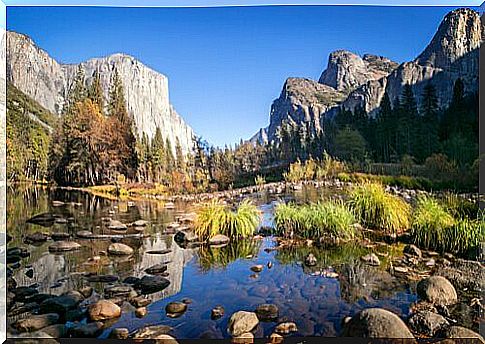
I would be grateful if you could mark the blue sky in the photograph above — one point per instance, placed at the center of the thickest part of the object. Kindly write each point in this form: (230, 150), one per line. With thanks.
(226, 65)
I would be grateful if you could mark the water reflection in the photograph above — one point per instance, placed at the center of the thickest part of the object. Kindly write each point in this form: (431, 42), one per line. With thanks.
(208, 276)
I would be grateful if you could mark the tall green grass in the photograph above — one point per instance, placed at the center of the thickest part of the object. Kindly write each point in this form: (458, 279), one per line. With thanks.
(215, 218)
(377, 208)
(435, 227)
(460, 207)
(315, 220)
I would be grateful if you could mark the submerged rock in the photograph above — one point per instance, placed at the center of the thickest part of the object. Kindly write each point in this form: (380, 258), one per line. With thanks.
(267, 312)
(152, 332)
(60, 304)
(102, 278)
(156, 269)
(119, 249)
(117, 225)
(45, 220)
(257, 268)
(141, 312)
(103, 310)
(64, 246)
(36, 322)
(140, 223)
(152, 284)
(119, 333)
(217, 312)
(376, 323)
(219, 239)
(242, 322)
(286, 328)
(60, 236)
(437, 290)
(175, 308)
(36, 237)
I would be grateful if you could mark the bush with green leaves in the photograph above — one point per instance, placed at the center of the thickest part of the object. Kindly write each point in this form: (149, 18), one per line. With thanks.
(315, 220)
(378, 209)
(216, 218)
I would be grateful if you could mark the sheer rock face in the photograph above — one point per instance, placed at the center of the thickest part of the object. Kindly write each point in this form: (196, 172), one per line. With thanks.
(34, 72)
(351, 80)
(452, 54)
(302, 101)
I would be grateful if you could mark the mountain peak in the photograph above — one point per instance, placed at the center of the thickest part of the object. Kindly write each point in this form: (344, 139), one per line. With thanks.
(459, 33)
(346, 70)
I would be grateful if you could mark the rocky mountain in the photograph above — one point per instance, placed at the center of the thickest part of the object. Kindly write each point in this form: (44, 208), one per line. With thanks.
(350, 80)
(42, 78)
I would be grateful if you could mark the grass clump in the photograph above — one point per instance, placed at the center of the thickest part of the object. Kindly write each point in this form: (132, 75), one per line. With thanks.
(315, 220)
(435, 227)
(460, 207)
(216, 218)
(379, 209)
(430, 223)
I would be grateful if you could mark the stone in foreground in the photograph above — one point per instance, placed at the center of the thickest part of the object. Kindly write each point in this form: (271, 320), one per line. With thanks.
(242, 322)
(437, 290)
(376, 323)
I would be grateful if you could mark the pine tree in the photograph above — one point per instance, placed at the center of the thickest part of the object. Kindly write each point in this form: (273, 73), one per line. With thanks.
(117, 109)
(408, 116)
(428, 134)
(384, 129)
(95, 91)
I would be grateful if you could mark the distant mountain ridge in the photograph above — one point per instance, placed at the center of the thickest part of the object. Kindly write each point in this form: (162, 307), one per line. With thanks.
(35, 73)
(350, 81)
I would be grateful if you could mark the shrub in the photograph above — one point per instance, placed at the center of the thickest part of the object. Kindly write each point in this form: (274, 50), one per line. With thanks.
(377, 208)
(439, 167)
(295, 173)
(315, 220)
(215, 218)
(330, 167)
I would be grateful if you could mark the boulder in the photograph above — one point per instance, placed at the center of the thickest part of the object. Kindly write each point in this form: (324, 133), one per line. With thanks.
(245, 338)
(267, 312)
(64, 246)
(242, 322)
(140, 301)
(412, 250)
(141, 312)
(276, 338)
(119, 249)
(119, 333)
(119, 290)
(89, 330)
(184, 237)
(458, 332)
(59, 304)
(102, 278)
(36, 322)
(437, 290)
(371, 259)
(84, 234)
(103, 310)
(463, 274)
(219, 239)
(376, 323)
(56, 331)
(286, 328)
(427, 323)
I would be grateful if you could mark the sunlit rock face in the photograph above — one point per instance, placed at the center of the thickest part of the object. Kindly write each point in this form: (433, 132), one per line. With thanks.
(351, 80)
(35, 73)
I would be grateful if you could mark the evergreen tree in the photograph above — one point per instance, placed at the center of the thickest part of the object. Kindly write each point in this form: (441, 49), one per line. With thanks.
(95, 91)
(428, 126)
